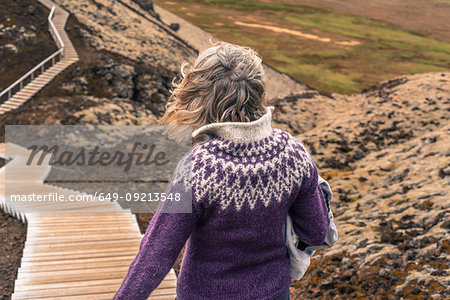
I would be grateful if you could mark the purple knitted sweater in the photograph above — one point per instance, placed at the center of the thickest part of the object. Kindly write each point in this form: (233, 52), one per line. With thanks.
(245, 179)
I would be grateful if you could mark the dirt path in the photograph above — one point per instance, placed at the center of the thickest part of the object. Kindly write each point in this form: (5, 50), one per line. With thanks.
(298, 33)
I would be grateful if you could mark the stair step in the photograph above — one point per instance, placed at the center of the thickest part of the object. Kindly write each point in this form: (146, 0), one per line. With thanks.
(27, 93)
(11, 106)
(64, 64)
(15, 101)
(53, 71)
(44, 76)
(18, 97)
(31, 89)
(37, 85)
(43, 79)
(40, 81)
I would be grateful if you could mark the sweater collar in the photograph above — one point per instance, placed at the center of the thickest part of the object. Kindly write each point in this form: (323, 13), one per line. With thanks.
(239, 131)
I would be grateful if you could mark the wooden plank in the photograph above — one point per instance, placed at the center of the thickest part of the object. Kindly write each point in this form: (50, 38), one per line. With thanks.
(107, 296)
(58, 275)
(89, 283)
(82, 225)
(2, 150)
(73, 275)
(63, 219)
(164, 291)
(100, 289)
(72, 255)
(81, 252)
(93, 294)
(75, 231)
(12, 106)
(46, 231)
(96, 245)
(19, 98)
(42, 265)
(72, 217)
(163, 297)
(68, 214)
(63, 285)
(19, 102)
(82, 220)
(62, 240)
(33, 251)
(76, 275)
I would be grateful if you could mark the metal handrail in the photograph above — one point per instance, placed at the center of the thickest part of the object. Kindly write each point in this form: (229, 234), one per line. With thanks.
(40, 65)
(53, 28)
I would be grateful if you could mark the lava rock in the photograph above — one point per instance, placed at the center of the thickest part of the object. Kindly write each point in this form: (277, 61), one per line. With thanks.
(174, 26)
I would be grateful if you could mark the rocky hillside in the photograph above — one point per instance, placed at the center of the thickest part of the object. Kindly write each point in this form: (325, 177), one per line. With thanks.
(384, 151)
(131, 29)
(386, 155)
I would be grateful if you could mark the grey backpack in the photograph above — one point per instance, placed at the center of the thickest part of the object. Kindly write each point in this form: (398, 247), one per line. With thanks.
(300, 259)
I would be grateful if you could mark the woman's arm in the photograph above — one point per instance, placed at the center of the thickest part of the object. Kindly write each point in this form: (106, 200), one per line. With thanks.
(165, 237)
(309, 211)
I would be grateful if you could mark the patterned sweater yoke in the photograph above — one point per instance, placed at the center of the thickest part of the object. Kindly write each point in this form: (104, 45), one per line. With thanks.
(244, 179)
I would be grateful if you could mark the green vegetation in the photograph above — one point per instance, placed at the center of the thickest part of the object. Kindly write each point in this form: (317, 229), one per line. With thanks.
(380, 50)
(9, 22)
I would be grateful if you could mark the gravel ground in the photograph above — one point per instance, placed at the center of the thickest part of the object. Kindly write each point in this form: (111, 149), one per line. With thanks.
(12, 240)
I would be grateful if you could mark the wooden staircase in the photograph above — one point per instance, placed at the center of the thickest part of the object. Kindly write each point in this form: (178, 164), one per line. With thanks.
(73, 250)
(68, 56)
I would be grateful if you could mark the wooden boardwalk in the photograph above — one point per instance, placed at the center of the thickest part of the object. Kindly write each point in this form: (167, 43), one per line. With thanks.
(72, 250)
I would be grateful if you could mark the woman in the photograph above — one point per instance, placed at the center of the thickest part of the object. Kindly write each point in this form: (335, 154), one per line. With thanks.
(245, 178)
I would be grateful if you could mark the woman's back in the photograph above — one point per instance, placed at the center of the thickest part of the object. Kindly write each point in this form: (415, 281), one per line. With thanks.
(245, 178)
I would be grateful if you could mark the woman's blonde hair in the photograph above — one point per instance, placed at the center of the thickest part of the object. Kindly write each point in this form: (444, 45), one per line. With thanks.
(225, 85)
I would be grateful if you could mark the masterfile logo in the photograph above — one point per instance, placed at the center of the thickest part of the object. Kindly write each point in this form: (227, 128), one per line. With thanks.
(88, 166)
(141, 154)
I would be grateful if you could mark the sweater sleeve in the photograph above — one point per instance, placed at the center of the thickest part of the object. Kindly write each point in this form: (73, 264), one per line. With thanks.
(309, 211)
(165, 237)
